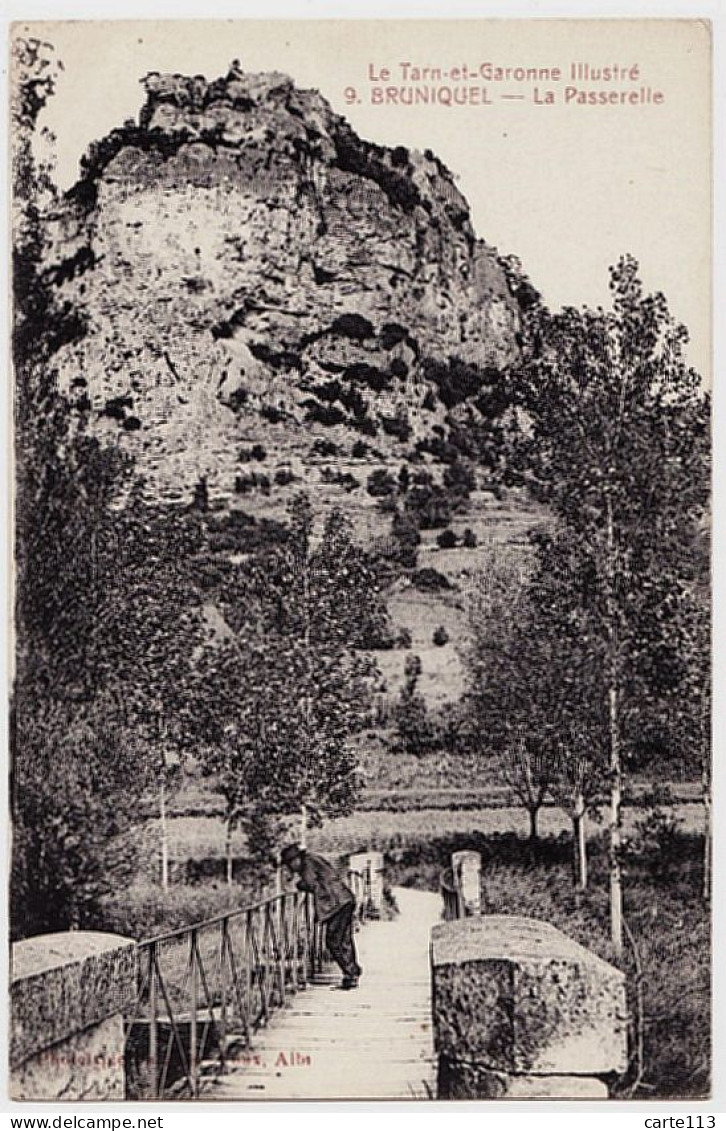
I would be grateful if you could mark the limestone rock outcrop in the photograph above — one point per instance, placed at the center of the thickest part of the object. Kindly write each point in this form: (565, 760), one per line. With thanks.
(240, 260)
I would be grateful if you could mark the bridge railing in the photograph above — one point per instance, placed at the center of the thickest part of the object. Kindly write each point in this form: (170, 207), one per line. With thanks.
(203, 990)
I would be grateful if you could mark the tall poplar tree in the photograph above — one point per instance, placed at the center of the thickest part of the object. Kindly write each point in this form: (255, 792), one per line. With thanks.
(618, 449)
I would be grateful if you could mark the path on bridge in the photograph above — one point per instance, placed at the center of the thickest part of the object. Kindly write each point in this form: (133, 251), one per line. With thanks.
(371, 1043)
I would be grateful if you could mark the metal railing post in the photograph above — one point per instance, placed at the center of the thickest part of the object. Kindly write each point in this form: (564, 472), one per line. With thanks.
(279, 944)
(223, 993)
(248, 965)
(193, 1030)
(153, 1025)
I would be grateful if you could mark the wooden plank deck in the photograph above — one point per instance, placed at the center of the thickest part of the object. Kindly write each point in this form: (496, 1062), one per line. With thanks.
(371, 1043)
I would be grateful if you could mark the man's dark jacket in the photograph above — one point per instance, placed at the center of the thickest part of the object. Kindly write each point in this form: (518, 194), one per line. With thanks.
(329, 892)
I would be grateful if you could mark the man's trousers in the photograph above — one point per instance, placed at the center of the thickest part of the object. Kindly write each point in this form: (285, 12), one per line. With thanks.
(339, 940)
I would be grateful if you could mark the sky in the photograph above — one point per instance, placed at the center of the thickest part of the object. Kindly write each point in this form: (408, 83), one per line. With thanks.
(566, 186)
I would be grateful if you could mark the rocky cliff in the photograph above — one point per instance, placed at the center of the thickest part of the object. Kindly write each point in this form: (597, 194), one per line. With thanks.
(243, 264)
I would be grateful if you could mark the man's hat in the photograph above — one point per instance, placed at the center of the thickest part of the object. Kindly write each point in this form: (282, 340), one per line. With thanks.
(290, 852)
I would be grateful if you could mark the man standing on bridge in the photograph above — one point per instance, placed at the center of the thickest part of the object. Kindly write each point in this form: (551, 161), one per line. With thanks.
(334, 906)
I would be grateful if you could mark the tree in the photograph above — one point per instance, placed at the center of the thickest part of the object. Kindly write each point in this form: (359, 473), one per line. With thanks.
(100, 628)
(618, 449)
(77, 779)
(528, 772)
(281, 699)
(533, 689)
(575, 784)
(415, 730)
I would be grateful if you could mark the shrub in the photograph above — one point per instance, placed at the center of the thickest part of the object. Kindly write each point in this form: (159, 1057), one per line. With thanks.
(329, 391)
(353, 326)
(243, 484)
(440, 636)
(354, 402)
(397, 426)
(429, 505)
(319, 413)
(459, 478)
(360, 449)
(403, 638)
(391, 334)
(284, 476)
(428, 580)
(469, 539)
(367, 426)
(369, 375)
(256, 452)
(342, 479)
(277, 361)
(144, 909)
(457, 380)
(238, 399)
(380, 483)
(325, 448)
(447, 540)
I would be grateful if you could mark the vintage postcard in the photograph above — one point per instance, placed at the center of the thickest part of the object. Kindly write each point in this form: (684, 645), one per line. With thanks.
(362, 703)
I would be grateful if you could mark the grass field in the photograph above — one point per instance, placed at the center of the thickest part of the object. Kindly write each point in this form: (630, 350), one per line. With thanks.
(200, 837)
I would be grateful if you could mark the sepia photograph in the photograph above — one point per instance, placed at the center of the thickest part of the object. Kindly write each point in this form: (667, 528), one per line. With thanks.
(360, 719)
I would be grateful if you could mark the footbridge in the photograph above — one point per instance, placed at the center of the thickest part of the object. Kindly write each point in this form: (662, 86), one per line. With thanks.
(246, 1006)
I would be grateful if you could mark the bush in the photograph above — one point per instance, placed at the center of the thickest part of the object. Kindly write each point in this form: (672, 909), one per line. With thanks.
(469, 539)
(404, 638)
(380, 483)
(397, 426)
(459, 479)
(447, 540)
(256, 452)
(457, 380)
(406, 540)
(144, 909)
(440, 636)
(318, 413)
(429, 505)
(365, 425)
(360, 449)
(368, 375)
(325, 448)
(77, 790)
(284, 476)
(345, 480)
(429, 580)
(243, 484)
(353, 326)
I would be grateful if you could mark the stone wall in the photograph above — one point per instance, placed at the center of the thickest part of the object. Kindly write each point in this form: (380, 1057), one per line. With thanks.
(521, 1010)
(68, 996)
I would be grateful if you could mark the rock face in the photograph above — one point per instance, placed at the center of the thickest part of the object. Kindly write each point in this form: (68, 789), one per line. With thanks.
(240, 255)
(522, 1010)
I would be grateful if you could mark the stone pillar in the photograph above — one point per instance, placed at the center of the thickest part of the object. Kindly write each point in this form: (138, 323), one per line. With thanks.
(369, 865)
(521, 1010)
(68, 996)
(466, 872)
